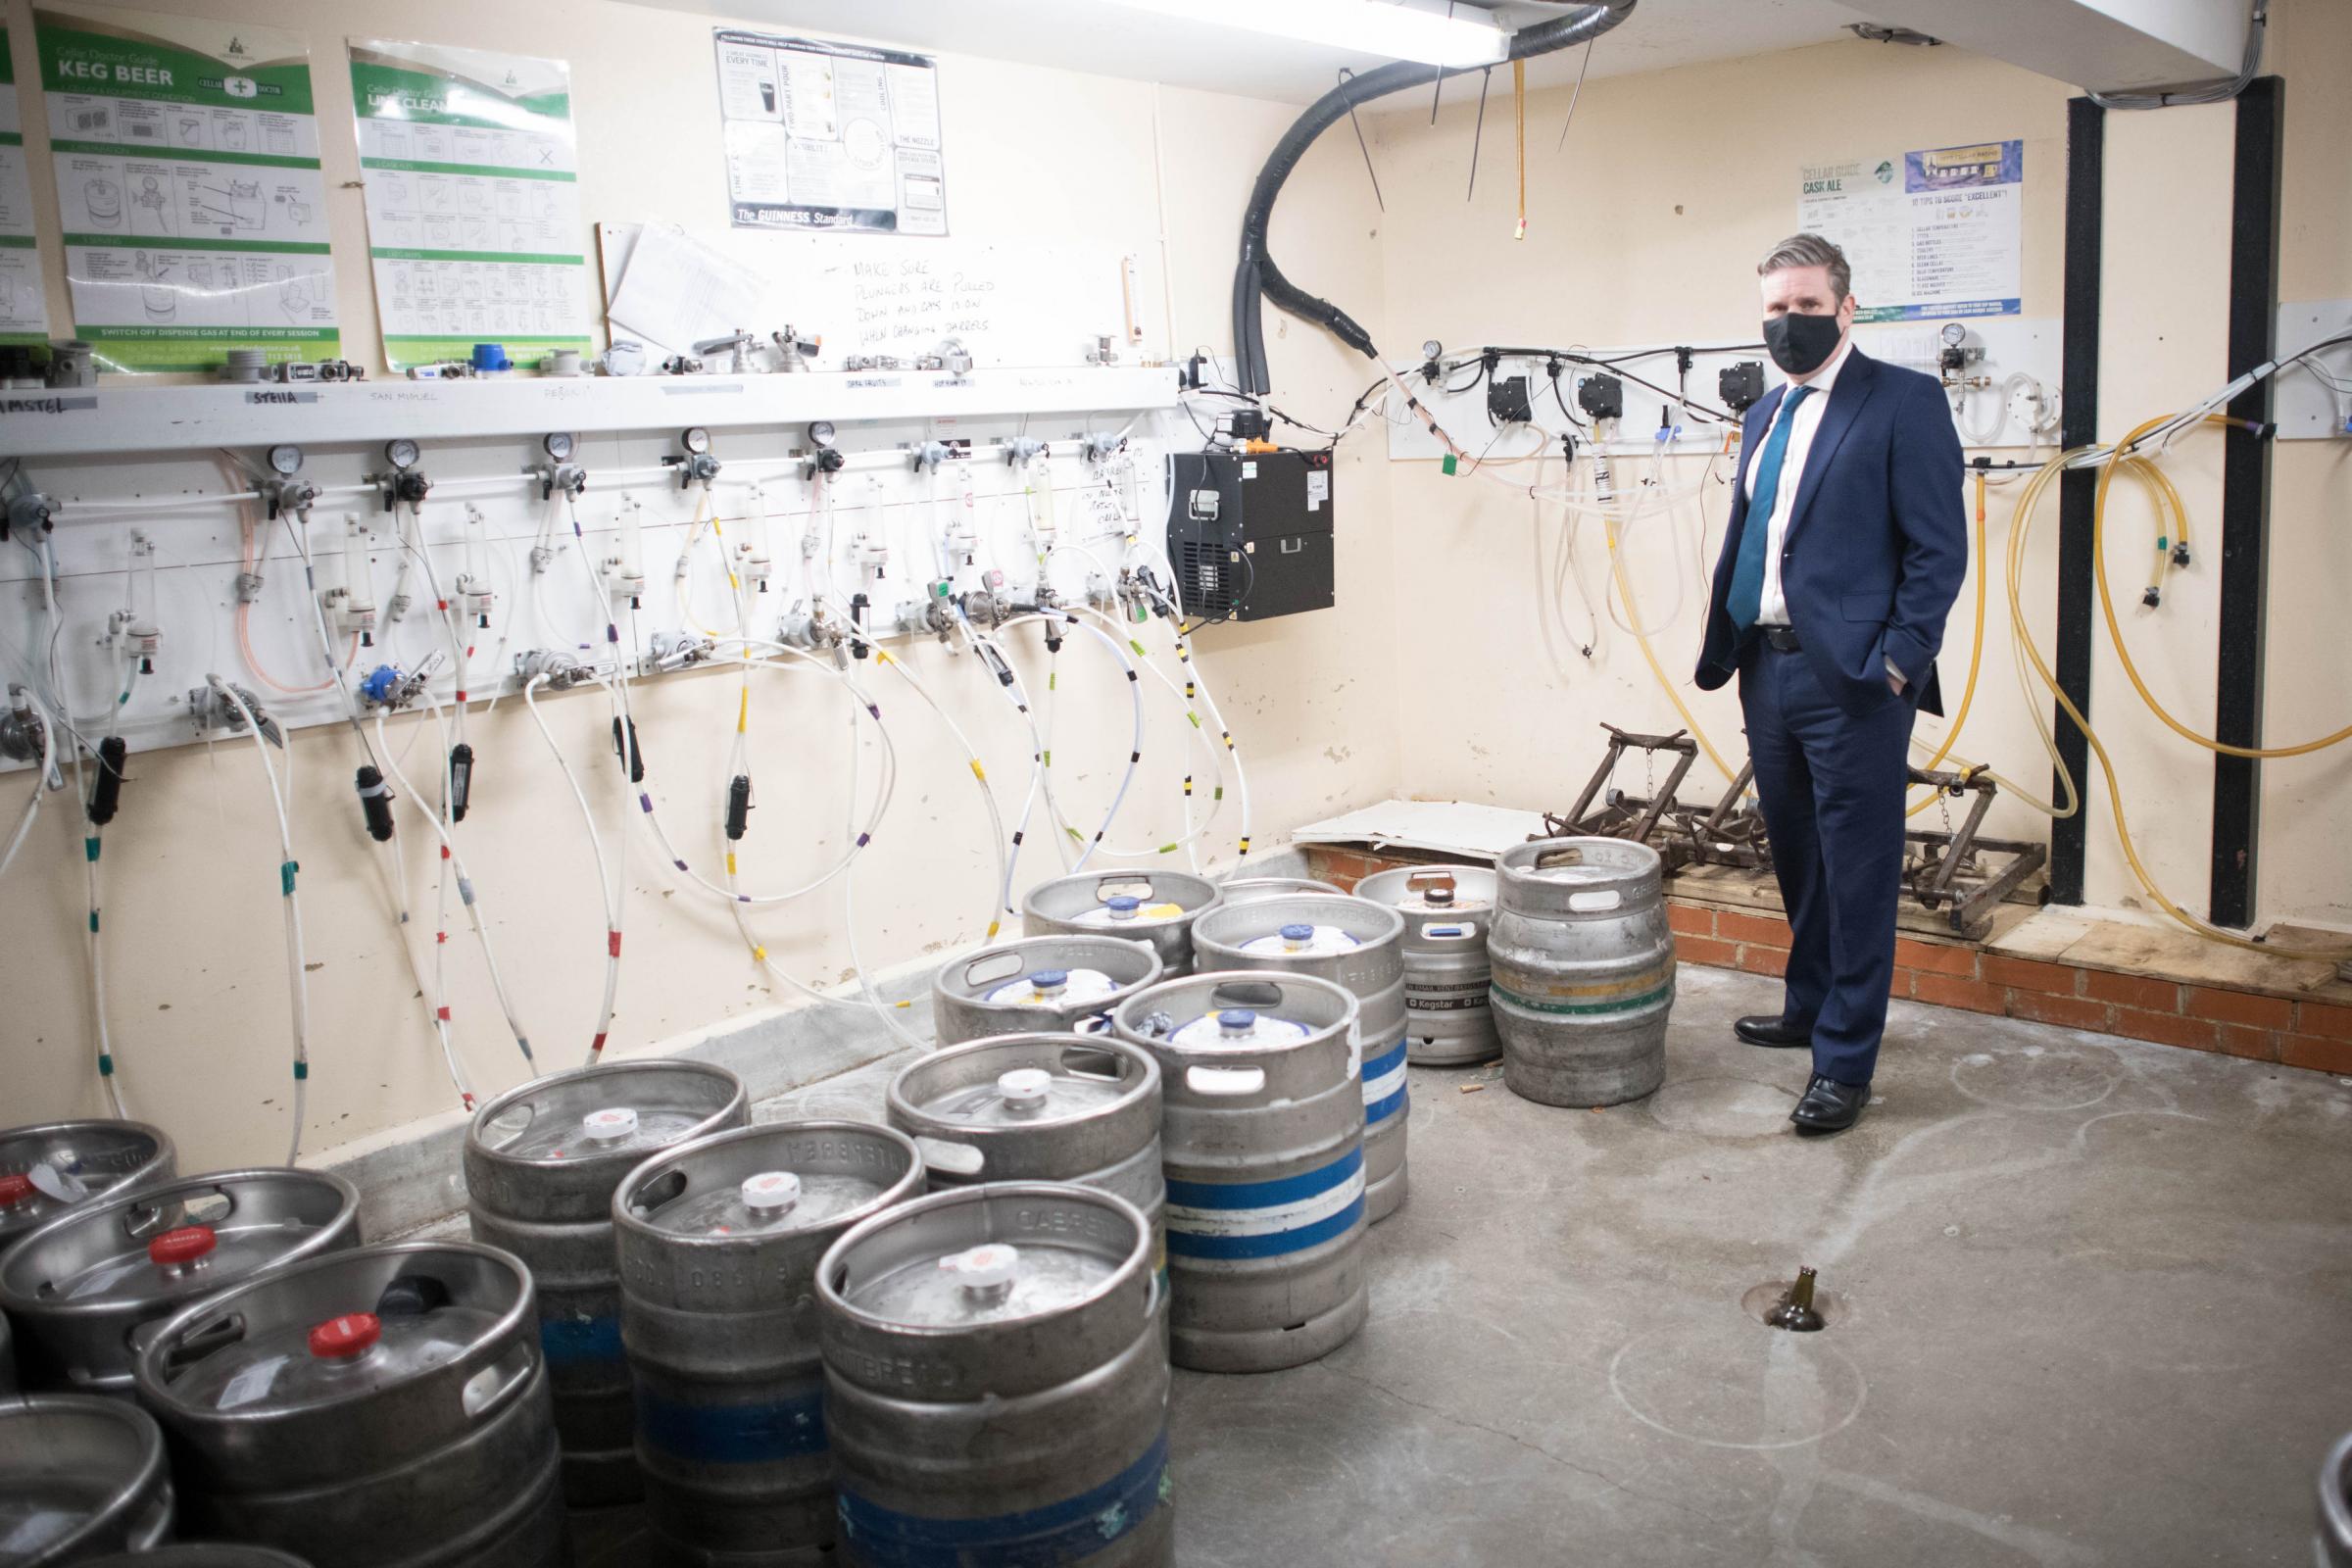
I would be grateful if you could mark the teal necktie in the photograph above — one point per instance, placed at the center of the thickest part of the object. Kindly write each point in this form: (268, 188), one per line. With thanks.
(1755, 534)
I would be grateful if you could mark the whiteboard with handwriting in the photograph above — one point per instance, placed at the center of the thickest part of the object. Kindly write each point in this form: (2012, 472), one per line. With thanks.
(1012, 305)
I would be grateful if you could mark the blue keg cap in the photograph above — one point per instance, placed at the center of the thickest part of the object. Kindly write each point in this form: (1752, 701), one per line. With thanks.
(1298, 933)
(1050, 979)
(1237, 1020)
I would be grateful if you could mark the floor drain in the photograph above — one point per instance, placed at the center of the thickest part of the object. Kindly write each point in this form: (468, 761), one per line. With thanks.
(1799, 1306)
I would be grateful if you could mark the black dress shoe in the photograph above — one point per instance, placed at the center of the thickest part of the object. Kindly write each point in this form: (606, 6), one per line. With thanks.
(1830, 1107)
(1763, 1029)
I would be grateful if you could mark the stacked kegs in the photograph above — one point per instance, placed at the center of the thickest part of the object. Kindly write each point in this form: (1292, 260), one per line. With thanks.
(1446, 911)
(385, 1407)
(541, 1165)
(2332, 1546)
(1356, 945)
(79, 1477)
(80, 1286)
(1039, 985)
(1038, 1107)
(1243, 890)
(719, 1243)
(1583, 970)
(1262, 1139)
(47, 1169)
(1155, 908)
(997, 1382)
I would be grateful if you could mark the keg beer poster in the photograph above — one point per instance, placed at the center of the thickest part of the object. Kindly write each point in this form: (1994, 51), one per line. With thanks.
(23, 315)
(188, 188)
(1929, 234)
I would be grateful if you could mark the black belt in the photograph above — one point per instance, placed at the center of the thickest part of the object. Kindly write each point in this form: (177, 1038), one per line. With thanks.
(1781, 639)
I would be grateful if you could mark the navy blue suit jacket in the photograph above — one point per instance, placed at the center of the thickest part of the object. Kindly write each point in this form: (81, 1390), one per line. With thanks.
(1877, 546)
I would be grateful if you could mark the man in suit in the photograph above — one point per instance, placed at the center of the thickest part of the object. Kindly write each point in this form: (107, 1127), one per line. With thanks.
(1845, 551)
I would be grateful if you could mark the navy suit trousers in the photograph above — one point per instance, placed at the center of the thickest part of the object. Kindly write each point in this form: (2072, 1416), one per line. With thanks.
(1832, 784)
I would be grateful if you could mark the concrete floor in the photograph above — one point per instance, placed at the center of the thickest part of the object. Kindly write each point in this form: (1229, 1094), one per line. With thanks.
(2090, 1301)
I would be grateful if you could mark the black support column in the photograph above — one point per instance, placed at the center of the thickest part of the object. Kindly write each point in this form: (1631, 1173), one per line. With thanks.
(2246, 504)
(2086, 216)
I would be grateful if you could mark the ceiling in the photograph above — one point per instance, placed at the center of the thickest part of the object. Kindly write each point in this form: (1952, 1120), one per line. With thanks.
(1103, 36)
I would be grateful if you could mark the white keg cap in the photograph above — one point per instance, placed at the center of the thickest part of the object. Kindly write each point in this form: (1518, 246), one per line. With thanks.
(772, 1191)
(610, 1125)
(1024, 1088)
(56, 1184)
(986, 1269)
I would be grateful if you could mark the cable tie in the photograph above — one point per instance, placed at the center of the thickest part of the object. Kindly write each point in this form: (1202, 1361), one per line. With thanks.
(1132, 675)
(1167, 849)
(1135, 756)
(680, 864)
(464, 890)
(863, 839)
(994, 926)
(978, 772)
(106, 1065)
(441, 1013)
(612, 943)
(93, 922)
(596, 1046)
(759, 953)
(644, 801)
(302, 1071)
(89, 847)
(285, 876)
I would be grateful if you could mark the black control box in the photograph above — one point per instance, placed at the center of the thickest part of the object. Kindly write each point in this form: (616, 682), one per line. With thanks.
(1250, 533)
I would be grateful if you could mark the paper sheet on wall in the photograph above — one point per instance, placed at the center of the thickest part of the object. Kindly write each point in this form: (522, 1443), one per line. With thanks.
(473, 204)
(188, 188)
(677, 290)
(826, 135)
(23, 313)
(1929, 234)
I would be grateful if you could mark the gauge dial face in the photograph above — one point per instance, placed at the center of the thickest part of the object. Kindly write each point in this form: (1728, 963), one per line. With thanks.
(401, 454)
(557, 444)
(821, 432)
(1432, 348)
(285, 460)
(1954, 333)
(696, 440)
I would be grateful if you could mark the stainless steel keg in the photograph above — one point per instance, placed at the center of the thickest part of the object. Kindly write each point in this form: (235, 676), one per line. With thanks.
(79, 1477)
(541, 1165)
(1583, 970)
(1262, 1142)
(1241, 890)
(719, 1242)
(80, 1288)
(1356, 944)
(52, 1167)
(1039, 1108)
(1038, 985)
(2331, 1547)
(997, 1382)
(385, 1407)
(1155, 908)
(1446, 911)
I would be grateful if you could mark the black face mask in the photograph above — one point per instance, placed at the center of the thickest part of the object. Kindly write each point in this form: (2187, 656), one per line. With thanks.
(1801, 344)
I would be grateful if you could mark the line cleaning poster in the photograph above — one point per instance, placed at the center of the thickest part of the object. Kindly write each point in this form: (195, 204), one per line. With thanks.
(188, 188)
(1929, 234)
(24, 314)
(473, 204)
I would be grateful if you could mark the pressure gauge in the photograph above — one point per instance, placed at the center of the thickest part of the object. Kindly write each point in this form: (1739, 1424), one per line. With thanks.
(695, 439)
(1955, 334)
(820, 432)
(401, 454)
(1432, 348)
(558, 445)
(285, 460)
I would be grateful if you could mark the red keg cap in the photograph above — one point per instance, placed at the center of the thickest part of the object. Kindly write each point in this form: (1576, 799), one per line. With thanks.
(16, 1188)
(346, 1336)
(182, 1246)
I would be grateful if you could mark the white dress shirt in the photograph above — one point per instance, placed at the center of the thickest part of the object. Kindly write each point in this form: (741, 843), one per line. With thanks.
(1772, 609)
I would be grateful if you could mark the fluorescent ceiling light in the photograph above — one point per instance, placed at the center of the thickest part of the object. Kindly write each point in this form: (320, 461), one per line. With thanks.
(1364, 26)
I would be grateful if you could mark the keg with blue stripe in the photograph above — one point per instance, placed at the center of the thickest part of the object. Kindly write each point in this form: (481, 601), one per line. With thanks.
(1262, 1136)
(80, 1288)
(719, 1242)
(79, 1477)
(1583, 970)
(51, 1167)
(385, 1407)
(1039, 1108)
(997, 1383)
(541, 1164)
(1155, 908)
(1038, 985)
(1356, 944)
(1447, 909)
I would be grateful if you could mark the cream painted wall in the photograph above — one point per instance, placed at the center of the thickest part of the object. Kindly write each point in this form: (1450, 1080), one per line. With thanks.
(197, 970)
(1645, 232)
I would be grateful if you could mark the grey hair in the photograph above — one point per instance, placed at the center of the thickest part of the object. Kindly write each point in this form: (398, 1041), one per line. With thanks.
(1811, 249)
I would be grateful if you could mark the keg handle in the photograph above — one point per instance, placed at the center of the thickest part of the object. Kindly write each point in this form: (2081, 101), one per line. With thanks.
(1002, 964)
(949, 1158)
(1449, 931)
(1225, 1083)
(1550, 859)
(497, 1385)
(1419, 881)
